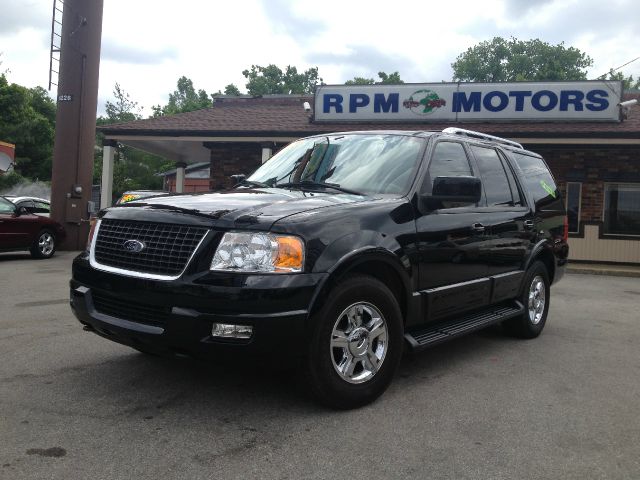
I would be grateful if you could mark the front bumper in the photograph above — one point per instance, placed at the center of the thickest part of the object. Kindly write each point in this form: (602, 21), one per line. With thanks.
(177, 316)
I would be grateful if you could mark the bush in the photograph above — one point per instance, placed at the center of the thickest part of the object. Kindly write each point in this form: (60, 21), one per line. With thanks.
(9, 180)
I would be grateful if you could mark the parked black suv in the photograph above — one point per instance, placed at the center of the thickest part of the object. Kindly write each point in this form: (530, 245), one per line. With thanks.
(340, 251)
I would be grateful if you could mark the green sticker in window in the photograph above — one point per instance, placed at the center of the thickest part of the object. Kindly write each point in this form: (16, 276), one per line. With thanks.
(547, 188)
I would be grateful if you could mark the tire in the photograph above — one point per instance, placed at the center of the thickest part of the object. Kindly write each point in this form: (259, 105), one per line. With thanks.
(44, 245)
(351, 361)
(536, 299)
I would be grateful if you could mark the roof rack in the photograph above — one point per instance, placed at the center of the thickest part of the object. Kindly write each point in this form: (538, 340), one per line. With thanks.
(481, 136)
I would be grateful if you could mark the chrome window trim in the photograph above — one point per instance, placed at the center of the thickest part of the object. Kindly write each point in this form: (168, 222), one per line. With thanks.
(132, 273)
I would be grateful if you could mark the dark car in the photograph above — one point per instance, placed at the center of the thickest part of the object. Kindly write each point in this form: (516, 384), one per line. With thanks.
(37, 205)
(336, 254)
(21, 229)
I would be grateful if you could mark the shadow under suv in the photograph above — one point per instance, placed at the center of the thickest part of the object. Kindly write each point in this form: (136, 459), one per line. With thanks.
(337, 253)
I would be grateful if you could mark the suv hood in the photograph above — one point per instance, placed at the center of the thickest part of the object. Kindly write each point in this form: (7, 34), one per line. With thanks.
(255, 208)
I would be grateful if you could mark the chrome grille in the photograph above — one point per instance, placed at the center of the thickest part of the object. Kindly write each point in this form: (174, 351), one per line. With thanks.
(167, 247)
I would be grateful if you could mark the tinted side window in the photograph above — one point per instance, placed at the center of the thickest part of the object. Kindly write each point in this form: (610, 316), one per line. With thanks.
(28, 204)
(513, 183)
(42, 207)
(538, 179)
(494, 178)
(449, 160)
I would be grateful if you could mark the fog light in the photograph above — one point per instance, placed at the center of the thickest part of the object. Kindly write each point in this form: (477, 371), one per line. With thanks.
(227, 330)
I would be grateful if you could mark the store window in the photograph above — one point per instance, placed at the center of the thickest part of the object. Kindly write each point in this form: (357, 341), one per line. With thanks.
(622, 208)
(574, 194)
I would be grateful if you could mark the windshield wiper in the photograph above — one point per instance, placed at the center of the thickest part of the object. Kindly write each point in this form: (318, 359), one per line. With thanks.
(252, 183)
(309, 184)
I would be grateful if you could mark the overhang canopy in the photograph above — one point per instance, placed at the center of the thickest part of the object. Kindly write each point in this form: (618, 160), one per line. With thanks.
(283, 118)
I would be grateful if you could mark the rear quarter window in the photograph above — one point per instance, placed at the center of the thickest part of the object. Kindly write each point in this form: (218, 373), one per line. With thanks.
(538, 181)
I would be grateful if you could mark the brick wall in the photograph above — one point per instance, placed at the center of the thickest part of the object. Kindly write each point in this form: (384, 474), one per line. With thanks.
(593, 167)
(232, 158)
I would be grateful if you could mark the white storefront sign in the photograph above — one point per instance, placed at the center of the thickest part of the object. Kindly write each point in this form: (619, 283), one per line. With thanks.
(429, 102)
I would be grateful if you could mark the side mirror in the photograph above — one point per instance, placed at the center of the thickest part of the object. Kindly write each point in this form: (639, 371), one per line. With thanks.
(238, 178)
(456, 189)
(21, 211)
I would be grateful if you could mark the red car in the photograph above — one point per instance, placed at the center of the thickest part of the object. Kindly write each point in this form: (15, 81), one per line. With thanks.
(22, 230)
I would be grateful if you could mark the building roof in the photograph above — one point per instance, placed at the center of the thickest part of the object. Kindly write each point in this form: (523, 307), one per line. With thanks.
(284, 116)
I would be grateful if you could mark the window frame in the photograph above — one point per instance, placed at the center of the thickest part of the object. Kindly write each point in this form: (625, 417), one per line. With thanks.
(427, 182)
(482, 178)
(604, 210)
(566, 205)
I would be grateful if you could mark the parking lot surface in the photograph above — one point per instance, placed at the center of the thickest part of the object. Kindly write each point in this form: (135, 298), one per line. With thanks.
(563, 406)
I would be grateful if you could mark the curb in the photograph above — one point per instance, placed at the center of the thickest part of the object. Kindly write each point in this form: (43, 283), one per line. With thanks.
(604, 271)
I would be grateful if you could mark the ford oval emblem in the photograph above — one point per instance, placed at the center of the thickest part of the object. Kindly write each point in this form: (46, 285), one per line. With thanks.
(133, 246)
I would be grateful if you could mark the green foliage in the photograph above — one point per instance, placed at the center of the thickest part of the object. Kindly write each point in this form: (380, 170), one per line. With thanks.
(123, 109)
(501, 60)
(389, 79)
(628, 83)
(184, 99)
(360, 81)
(272, 80)
(231, 89)
(28, 121)
(133, 169)
(385, 79)
(10, 179)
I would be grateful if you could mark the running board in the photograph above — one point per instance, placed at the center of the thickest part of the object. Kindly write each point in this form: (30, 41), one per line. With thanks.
(442, 331)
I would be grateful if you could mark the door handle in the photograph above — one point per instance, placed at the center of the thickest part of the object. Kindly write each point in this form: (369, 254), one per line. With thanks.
(478, 227)
(528, 224)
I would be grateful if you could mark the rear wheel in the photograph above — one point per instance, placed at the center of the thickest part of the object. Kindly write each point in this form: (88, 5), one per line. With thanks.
(44, 245)
(535, 298)
(356, 344)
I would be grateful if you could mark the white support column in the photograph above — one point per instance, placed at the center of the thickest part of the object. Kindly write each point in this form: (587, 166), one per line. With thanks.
(180, 167)
(266, 153)
(106, 189)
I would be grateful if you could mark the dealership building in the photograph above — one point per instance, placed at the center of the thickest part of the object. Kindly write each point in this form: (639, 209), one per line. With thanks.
(588, 132)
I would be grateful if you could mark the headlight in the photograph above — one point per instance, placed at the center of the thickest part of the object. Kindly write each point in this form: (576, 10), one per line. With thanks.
(92, 228)
(259, 252)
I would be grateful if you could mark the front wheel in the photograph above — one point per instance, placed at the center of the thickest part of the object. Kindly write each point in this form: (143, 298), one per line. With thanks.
(535, 298)
(356, 345)
(44, 245)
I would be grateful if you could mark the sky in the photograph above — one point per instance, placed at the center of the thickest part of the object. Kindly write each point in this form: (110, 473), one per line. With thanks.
(148, 44)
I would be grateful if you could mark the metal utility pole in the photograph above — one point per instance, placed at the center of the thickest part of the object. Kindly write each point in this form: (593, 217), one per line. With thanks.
(76, 117)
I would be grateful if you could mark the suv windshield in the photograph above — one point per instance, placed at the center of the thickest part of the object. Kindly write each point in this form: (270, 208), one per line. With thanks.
(375, 163)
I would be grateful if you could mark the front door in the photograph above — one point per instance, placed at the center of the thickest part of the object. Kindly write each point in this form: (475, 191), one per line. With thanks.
(452, 242)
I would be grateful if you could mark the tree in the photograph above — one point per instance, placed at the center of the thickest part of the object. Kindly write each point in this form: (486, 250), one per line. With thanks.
(628, 83)
(231, 89)
(389, 79)
(28, 120)
(501, 60)
(360, 81)
(133, 169)
(385, 79)
(123, 109)
(272, 80)
(184, 99)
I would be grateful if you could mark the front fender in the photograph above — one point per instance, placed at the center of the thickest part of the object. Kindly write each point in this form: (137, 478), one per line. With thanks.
(359, 243)
(364, 249)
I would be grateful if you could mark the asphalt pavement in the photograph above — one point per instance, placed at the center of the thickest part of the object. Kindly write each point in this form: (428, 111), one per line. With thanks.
(563, 406)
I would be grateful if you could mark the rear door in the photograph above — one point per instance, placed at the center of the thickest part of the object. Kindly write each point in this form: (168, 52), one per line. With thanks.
(507, 219)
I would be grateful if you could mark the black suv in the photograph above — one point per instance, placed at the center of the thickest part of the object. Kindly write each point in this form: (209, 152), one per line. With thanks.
(340, 251)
